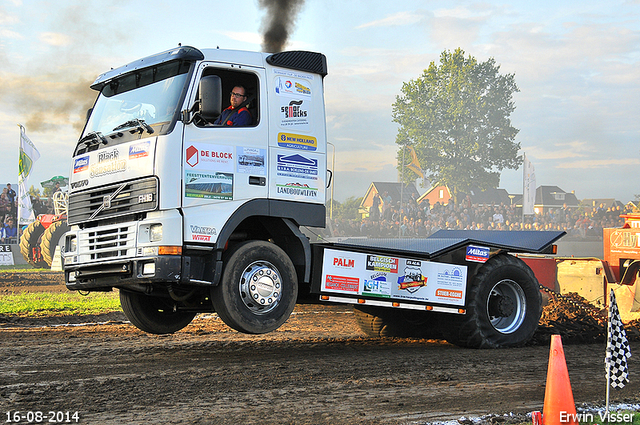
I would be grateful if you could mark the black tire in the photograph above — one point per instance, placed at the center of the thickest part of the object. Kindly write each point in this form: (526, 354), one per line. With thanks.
(262, 308)
(503, 307)
(383, 322)
(50, 239)
(154, 315)
(29, 243)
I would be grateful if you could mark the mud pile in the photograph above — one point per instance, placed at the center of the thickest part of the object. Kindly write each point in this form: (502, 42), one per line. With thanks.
(577, 321)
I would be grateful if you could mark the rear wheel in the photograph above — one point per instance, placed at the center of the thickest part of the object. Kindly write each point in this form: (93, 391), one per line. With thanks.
(154, 315)
(50, 240)
(385, 322)
(258, 288)
(30, 244)
(503, 307)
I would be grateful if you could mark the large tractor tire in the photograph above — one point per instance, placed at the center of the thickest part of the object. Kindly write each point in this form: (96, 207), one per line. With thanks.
(503, 307)
(154, 315)
(50, 240)
(258, 288)
(30, 244)
(379, 322)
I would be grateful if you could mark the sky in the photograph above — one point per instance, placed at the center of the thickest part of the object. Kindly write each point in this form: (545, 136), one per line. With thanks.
(577, 64)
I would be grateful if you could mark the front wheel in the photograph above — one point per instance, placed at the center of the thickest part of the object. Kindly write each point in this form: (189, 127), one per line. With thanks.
(154, 315)
(503, 307)
(258, 288)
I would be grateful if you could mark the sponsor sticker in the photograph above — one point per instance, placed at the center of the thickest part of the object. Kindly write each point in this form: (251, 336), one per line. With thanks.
(297, 141)
(203, 156)
(251, 160)
(377, 286)
(139, 150)
(202, 233)
(81, 164)
(379, 263)
(292, 86)
(342, 283)
(298, 166)
(344, 262)
(297, 189)
(449, 293)
(413, 279)
(294, 113)
(109, 162)
(477, 254)
(209, 185)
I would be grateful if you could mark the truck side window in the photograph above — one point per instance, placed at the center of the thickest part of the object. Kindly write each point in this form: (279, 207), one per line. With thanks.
(243, 106)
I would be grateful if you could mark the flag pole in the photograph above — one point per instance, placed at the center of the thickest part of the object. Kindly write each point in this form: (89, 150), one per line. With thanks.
(18, 195)
(606, 356)
(401, 193)
(524, 179)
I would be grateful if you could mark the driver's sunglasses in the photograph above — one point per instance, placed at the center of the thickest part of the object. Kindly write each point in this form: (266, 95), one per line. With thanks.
(237, 95)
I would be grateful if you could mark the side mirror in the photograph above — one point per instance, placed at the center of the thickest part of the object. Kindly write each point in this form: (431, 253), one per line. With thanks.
(210, 97)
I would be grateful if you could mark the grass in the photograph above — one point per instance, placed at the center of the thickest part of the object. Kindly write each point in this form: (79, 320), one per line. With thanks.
(21, 268)
(39, 304)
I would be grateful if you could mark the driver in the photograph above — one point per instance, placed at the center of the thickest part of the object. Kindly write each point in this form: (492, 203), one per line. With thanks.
(235, 115)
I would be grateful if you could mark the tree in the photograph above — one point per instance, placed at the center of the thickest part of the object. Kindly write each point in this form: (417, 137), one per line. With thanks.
(456, 116)
(347, 210)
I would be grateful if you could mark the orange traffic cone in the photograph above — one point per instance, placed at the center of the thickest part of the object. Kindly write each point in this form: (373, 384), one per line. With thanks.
(559, 407)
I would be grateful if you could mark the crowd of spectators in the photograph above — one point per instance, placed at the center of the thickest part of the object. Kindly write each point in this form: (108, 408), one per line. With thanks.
(8, 213)
(416, 221)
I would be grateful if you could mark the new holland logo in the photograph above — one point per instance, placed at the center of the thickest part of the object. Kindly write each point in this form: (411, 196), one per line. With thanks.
(192, 156)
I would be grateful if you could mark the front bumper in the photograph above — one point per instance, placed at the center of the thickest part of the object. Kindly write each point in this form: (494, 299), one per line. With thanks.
(144, 270)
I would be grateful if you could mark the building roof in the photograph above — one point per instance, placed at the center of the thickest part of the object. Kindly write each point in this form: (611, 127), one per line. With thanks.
(393, 188)
(490, 196)
(607, 202)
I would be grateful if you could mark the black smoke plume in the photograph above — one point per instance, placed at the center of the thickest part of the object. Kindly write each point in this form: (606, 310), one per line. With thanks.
(278, 23)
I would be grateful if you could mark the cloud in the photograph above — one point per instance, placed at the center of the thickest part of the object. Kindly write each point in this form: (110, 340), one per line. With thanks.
(397, 19)
(576, 149)
(5, 33)
(599, 163)
(245, 37)
(55, 39)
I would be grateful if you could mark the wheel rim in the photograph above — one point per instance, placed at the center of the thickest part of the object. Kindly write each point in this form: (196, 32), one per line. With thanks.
(260, 287)
(506, 306)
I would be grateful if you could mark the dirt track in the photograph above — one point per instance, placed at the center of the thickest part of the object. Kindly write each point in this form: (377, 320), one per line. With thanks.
(316, 369)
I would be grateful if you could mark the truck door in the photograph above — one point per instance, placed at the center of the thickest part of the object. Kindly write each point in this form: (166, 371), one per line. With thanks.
(224, 166)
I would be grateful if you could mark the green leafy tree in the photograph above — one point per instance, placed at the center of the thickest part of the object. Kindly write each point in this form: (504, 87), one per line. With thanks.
(347, 210)
(456, 116)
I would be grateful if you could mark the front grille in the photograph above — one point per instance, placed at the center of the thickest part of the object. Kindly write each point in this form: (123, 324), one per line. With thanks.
(113, 201)
(109, 242)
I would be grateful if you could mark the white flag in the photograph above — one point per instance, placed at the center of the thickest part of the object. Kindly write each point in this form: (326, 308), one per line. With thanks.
(529, 187)
(28, 155)
(618, 350)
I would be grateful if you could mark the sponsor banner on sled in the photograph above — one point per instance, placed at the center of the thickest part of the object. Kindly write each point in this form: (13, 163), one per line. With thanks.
(393, 277)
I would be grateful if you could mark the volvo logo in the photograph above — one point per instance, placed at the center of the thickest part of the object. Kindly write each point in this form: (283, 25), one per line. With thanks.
(106, 201)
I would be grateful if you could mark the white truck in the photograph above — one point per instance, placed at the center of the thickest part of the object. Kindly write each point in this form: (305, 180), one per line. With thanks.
(184, 216)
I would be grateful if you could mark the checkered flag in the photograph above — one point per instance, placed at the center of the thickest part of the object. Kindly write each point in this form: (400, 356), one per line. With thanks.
(617, 347)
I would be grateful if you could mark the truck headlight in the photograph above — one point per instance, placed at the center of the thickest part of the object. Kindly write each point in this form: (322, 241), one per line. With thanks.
(155, 233)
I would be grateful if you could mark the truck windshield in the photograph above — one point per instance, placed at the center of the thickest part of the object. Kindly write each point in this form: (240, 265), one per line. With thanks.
(148, 97)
